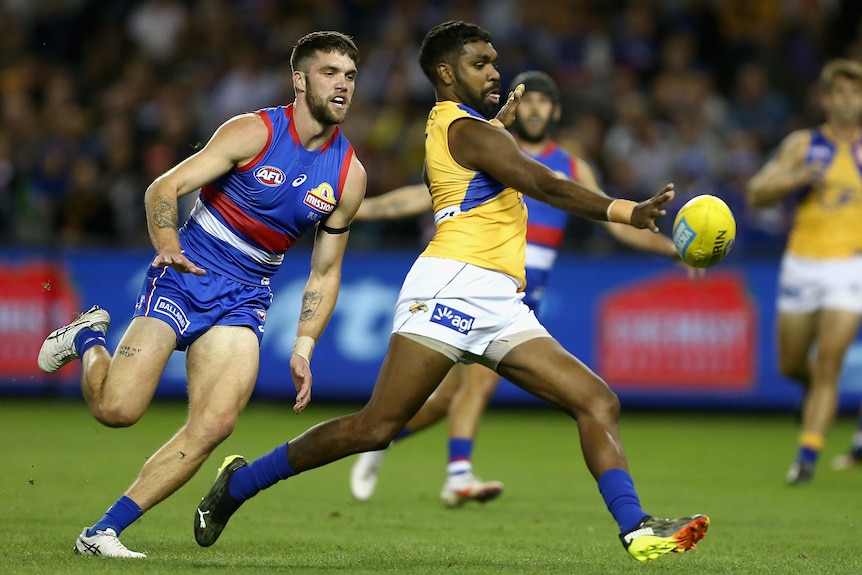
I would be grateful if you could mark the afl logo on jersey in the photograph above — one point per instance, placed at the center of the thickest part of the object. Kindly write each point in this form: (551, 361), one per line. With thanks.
(269, 176)
(321, 198)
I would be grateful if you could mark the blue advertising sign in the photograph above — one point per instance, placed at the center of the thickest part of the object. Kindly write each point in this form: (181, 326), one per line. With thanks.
(661, 340)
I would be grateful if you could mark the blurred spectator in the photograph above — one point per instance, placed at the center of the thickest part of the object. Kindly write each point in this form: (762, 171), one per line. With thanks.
(653, 91)
(758, 108)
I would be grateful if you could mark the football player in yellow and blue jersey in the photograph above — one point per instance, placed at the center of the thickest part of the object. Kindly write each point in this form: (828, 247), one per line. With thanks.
(462, 301)
(820, 282)
(469, 387)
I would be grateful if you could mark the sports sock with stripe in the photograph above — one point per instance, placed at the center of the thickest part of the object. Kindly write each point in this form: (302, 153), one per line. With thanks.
(460, 466)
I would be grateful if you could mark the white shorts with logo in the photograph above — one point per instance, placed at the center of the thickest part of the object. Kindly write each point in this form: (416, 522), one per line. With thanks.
(806, 285)
(463, 306)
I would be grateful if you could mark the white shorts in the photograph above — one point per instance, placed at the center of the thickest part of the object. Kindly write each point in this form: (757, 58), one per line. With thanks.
(465, 307)
(806, 285)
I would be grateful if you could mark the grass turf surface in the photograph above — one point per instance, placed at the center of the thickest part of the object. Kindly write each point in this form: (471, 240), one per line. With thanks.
(62, 470)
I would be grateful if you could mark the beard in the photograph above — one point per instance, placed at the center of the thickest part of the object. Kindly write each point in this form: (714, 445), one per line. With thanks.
(320, 110)
(532, 137)
(478, 102)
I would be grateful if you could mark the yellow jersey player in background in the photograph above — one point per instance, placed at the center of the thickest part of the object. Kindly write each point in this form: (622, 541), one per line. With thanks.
(820, 282)
(462, 302)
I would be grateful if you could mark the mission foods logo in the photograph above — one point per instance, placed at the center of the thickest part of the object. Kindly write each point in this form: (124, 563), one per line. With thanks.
(676, 333)
(321, 198)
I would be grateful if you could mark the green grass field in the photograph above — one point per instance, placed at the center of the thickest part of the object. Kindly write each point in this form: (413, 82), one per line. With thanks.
(62, 470)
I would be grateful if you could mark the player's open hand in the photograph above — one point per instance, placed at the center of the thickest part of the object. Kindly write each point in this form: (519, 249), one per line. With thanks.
(506, 115)
(646, 212)
(300, 371)
(177, 261)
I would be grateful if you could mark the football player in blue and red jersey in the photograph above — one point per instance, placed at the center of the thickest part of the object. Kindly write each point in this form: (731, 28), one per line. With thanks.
(265, 178)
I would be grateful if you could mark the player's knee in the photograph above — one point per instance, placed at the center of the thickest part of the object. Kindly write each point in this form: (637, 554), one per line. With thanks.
(371, 433)
(604, 406)
(211, 431)
(117, 415)
(794, 371)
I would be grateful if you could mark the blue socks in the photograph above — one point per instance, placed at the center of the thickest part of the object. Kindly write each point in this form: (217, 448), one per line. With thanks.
(807, 455)
(87, 338)
(618, 490)
(404, 433)
(119, 516)
(460, 457)
(261, 473)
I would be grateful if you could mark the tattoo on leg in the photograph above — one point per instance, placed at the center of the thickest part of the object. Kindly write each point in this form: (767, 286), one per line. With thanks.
(310, 302)
(128, 351)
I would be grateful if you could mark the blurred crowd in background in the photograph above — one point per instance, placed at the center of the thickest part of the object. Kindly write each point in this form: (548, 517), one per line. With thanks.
(97, 98)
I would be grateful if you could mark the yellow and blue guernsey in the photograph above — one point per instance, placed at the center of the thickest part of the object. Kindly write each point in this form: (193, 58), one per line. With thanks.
(479, 220)
(829, 213)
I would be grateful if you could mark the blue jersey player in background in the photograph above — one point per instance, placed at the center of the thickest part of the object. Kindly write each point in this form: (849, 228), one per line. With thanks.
(265, 178)
(468, 388)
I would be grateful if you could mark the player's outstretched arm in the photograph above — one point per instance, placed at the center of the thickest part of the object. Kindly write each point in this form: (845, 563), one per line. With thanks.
(482, 147)
(786, 172)
(403, 202)
(321, 289)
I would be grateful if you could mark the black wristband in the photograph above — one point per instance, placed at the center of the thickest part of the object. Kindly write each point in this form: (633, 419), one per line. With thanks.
(334, 231)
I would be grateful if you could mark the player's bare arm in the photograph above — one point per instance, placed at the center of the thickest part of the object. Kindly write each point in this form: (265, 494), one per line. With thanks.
(482, 147)
(782, 174)
(234, 143)
(402, 202)
(639, 239)
(321, 290)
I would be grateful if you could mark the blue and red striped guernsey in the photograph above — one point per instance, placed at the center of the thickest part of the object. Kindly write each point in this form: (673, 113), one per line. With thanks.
(546, 225)
(244, 222)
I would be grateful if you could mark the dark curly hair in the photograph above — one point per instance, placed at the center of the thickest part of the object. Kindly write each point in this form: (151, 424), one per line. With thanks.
(444, 42)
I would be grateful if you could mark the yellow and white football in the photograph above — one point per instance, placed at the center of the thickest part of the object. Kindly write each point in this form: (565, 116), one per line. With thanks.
(704, 231)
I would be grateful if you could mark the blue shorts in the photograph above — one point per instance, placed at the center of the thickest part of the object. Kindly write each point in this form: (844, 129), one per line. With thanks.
(192, 304)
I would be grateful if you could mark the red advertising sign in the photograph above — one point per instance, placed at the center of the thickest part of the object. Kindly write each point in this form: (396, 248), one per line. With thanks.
(35, 298)
(673, 332)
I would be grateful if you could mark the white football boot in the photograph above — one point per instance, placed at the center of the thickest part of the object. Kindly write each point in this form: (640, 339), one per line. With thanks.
(105, 544)
(58, 349)
(363, 476)
(459, 490)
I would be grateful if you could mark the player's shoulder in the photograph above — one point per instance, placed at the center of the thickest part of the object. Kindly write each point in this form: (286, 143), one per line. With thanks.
(800, 137)
(797, 142)
(356, 166)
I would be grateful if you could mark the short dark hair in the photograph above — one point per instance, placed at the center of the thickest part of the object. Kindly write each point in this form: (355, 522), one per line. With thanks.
(444, 43)
(322, 41)
(537, 81)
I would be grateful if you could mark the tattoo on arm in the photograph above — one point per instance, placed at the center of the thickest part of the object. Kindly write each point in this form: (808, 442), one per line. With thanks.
(310, 302)
(165, 214)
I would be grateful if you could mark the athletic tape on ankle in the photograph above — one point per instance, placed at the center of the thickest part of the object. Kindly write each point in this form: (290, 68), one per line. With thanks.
(303, 346)
(620, 211)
